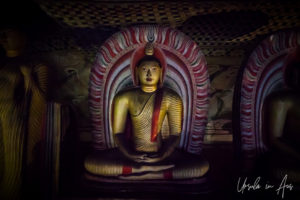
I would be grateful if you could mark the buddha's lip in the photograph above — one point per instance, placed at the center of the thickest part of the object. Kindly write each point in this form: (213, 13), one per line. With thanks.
(148, 79)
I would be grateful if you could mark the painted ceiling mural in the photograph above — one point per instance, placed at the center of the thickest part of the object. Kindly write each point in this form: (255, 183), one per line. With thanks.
(226, 31)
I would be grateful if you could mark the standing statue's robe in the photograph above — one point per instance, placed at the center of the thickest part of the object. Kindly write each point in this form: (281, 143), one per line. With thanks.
(23, 88)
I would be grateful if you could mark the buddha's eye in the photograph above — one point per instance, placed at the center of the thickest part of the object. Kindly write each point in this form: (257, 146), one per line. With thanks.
(154, 68)
(144, 68)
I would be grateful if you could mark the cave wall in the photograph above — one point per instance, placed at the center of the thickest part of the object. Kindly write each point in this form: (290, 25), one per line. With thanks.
(65, 35)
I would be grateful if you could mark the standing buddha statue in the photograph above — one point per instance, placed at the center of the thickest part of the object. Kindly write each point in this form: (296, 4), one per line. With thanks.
(23, 92)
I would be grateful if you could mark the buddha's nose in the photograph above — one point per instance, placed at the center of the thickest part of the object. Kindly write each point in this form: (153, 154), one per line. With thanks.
(149, 72)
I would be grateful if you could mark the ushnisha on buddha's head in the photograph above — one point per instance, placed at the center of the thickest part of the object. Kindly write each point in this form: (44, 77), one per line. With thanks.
(149, 71)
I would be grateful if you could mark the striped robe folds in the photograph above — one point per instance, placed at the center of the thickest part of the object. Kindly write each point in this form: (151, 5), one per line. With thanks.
(23, 90)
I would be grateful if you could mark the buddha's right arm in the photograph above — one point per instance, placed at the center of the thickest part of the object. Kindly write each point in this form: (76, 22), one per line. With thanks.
(120, 111)
(124, 147)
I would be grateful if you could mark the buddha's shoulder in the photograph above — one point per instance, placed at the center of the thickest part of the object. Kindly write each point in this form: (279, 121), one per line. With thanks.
(171, 94)
(127, 93)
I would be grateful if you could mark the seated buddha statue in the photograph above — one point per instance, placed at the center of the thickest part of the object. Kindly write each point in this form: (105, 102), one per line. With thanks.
(138, 115)
(282, 119)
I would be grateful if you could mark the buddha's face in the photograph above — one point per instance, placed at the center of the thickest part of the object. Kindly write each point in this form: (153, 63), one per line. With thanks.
(149, 73)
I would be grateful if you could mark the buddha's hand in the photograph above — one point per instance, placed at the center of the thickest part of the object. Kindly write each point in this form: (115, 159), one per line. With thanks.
(137, 157)
(153, 158)
(154, 168)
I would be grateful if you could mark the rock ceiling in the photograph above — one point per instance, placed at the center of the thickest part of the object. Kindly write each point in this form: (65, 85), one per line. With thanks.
(219, 27)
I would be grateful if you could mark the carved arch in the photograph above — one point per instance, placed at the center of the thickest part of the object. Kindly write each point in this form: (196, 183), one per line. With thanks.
(262, 74)
(186, 74)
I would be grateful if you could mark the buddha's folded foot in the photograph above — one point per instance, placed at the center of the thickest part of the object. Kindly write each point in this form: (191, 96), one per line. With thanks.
(147, 168)
(148, 176)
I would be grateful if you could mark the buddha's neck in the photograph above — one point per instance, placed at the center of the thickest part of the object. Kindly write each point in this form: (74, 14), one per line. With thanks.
(148, 89)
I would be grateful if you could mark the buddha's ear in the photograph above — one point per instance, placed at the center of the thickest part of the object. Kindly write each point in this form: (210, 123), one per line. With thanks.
(161, 78)
(136, 76)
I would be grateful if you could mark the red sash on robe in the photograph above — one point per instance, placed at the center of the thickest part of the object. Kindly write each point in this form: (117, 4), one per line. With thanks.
(156, 111)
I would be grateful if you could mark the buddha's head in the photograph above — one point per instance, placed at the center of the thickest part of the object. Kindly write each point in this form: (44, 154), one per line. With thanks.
(149, 72)
(292, 71)
(13, 42)
(148, 66)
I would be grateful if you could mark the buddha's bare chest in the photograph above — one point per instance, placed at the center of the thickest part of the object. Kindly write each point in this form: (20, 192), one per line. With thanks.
(139, 102)
(141, 113)
(144, 104)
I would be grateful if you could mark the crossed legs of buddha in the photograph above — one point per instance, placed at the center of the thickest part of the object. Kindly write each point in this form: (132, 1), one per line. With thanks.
(180, 165)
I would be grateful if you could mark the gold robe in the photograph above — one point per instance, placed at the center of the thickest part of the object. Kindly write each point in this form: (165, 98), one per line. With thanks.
(23, 89)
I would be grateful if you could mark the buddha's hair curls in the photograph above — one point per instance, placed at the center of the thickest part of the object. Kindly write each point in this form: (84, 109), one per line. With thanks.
(147, 59)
